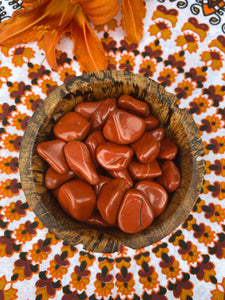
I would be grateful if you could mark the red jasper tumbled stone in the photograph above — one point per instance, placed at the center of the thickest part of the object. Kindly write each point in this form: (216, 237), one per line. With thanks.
(168, 150)
(110, 198)
(86, 109)
(123, 127)
(102, 180)
(77, 198)
(122, 174)
(96, 220)
(101, 114)
(53, 180)
(135, 106)
(170, 177)
(135, 213)
(93, 140)
(53, 153)
(72, 126)
(79, 160)
(155, 193)
(158, 133)
(146, 148)
(151, 122)
(112, 156)
(140, 171)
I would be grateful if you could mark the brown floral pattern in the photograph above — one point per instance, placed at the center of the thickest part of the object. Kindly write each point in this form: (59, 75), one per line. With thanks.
(185, 54)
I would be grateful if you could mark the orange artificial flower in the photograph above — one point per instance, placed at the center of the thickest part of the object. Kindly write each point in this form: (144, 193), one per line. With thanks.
(133, 12)
(46, 21)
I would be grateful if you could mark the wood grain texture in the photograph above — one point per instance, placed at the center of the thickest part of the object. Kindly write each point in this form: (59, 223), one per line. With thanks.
(179, 126)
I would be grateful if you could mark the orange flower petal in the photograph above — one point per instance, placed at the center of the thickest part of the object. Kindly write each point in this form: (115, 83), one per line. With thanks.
(51, 40)
(19, 29)
(99, 11)
(133, 12)
(87, 48)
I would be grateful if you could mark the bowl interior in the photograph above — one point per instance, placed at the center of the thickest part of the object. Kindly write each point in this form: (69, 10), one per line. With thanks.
(179, 126)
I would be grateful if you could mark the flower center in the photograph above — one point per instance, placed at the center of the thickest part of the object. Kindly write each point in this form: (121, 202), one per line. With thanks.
(189, 38)
(161, 26)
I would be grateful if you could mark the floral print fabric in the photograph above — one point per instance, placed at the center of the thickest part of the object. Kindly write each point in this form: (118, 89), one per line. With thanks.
(184, 50)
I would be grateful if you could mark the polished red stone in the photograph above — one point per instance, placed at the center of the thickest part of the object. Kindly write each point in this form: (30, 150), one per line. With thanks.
(96, 220)
(79, 160)
(53, 153)
(132, 105)
(112, 156)
(155, 193)
(53, 180)
(102, 180)
(135, 213)
(146, 148)
(77, 198)
(93, 140)
(168, 150)
(170, 177)
(123, 127)
(122, 174)
(110, 198)
(71, 127)
(101, 114)
(158, 133)
(140, 171)
(86, 109)
(151, 122)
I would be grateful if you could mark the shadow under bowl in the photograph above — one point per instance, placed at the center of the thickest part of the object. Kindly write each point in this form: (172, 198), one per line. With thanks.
(180, 128)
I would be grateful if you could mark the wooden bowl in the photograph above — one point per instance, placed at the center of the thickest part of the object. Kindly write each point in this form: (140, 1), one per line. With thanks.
(180, 128)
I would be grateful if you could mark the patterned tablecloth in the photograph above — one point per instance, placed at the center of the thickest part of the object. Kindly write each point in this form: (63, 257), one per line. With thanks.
(183, 48)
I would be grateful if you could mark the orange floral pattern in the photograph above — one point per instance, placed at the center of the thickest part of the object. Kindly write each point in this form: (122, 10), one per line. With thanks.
(185, 54)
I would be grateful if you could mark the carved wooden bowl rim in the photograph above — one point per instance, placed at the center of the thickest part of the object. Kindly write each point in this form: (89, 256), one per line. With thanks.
(180, 127)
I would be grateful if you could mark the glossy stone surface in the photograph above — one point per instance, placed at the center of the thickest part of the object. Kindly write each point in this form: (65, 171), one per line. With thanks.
(151, 122)
(132, 105)
(72, 126)
(99, 84)
(93, 140)
(112, 156)
(146, 148)
(168, 150)
(86, 109)
(53, 153)
(140, 171)
(101, 114)
(135, 213)
(110, 198)
(96, 220)
(156, 195)
(102, 180)
(79, 160)
(122, 174)
(53, 180)
(123, 127)
(77, 198)
(170, 177)
(158, 133)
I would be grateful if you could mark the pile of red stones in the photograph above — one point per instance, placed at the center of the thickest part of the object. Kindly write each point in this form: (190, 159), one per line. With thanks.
(111, 164)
